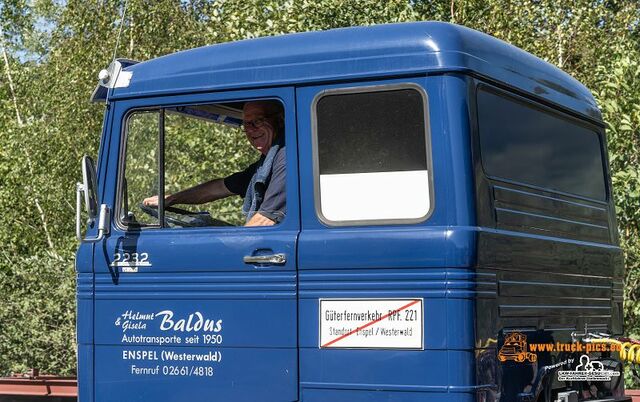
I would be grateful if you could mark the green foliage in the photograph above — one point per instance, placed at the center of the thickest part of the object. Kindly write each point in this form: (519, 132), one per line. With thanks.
(620, 101)
(141, 163)
(55, 49)
(38, 314)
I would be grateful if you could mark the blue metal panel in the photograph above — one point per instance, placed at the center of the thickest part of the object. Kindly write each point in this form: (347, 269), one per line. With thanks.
(355, 53)
(351, 395)
(84, 288)
(239, 330)
(84, 301)
(431, 260)
(243, 375)
(198, 324)
(84, 257)
(85, 372)
(453, 124)
(84, 326)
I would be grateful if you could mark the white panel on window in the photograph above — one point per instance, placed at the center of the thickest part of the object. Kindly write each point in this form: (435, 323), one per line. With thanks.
(375, 196)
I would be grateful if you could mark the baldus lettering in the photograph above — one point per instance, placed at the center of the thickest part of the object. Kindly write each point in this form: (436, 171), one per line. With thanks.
(195, 322)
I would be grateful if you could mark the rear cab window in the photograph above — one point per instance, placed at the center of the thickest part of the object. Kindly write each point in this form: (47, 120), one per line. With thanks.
(545, 169)
(528, 145)
(372, 155)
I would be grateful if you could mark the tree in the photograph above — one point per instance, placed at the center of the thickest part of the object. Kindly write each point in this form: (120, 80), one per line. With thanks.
(54, 50)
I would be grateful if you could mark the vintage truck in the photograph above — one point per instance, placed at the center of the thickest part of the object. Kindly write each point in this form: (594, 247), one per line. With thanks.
(443, 189)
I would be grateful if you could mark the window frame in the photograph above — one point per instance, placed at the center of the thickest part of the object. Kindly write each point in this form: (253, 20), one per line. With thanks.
(316, 159)
(124, 134)
(555, 112)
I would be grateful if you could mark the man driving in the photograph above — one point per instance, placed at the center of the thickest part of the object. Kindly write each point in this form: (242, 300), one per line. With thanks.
(262, 184)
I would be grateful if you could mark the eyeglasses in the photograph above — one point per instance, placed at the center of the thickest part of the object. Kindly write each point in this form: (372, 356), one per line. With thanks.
(256, 123)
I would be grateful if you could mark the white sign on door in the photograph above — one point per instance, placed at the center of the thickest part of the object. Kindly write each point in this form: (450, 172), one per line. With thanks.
(371, 323)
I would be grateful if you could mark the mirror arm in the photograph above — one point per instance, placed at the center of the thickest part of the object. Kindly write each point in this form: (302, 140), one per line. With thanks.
(103, 223)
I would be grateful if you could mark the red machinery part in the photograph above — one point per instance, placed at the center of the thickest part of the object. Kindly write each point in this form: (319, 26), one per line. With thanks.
(45, 386)
(634, 394)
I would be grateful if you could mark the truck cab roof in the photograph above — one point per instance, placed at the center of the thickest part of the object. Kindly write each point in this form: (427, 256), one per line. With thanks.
(388, 50)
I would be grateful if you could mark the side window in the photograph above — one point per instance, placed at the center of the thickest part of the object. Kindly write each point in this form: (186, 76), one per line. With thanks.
(372, 156)
(213, 165)
(529, 145)
(198, 150)
(140, 168)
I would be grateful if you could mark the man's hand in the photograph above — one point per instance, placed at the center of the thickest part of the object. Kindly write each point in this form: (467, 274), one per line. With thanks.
(153, 201)
(259, 220)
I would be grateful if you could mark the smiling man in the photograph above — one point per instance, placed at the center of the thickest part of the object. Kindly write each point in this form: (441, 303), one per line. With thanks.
(262, 184)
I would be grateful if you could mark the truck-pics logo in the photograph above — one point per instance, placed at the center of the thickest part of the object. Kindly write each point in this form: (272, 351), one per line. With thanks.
(515, 348)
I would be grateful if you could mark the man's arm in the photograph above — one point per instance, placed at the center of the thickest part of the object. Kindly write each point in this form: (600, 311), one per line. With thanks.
(200, 194)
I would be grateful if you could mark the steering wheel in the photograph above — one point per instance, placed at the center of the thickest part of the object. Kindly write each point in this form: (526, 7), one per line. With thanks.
(183, 218)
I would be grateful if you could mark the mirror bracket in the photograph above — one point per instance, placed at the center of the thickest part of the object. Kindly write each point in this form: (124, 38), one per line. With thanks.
(87, 190)
(104, 219)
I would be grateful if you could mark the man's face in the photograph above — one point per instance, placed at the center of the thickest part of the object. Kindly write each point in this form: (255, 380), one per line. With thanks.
(259, 126)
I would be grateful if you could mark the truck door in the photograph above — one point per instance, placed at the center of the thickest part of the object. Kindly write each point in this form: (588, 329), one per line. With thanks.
(188, 308)
(372, 287)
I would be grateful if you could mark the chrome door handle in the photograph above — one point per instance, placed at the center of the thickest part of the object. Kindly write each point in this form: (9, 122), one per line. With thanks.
(279, 259)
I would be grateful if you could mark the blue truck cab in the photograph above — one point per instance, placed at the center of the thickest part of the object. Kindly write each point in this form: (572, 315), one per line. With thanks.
(445, 191)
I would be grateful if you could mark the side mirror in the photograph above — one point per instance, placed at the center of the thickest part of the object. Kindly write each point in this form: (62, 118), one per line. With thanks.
(87, 190)
(89, 187)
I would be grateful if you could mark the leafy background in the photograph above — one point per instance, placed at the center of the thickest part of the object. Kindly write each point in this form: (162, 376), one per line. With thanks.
(53, 49)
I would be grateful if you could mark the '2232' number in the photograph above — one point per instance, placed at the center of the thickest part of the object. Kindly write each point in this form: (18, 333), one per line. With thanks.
(131, 259)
